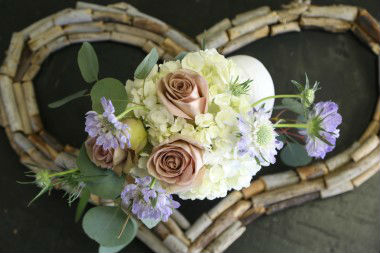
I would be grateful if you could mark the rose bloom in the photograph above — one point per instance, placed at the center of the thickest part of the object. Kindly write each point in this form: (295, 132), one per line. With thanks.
(177, 164)
(184, 93)
(119, 160)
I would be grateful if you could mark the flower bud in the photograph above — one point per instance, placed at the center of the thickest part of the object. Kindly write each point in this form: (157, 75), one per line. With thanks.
(42, 178)
(139, 136)
(308, 96)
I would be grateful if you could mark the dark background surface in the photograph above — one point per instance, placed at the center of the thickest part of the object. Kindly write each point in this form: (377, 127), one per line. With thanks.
(345, 68)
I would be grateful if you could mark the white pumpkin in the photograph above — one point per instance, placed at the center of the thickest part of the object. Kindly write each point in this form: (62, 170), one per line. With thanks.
(262, 84)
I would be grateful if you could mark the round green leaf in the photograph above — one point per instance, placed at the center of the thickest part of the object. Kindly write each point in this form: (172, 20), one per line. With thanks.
(88, 63)
(115, 249)
(294, 154)
(102, 182)
(104, 224)
(144, 68)
(109, 88)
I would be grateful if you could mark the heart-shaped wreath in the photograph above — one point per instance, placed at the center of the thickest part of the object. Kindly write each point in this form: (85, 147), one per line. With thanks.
(215, 230)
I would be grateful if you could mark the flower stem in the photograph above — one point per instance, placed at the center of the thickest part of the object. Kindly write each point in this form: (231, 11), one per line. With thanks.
(64, 173)
(152, 183)
(290, 126)
(122, 115)
(276, 96)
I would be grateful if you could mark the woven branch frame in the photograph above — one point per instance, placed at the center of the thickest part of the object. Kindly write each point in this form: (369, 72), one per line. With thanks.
(217, 229)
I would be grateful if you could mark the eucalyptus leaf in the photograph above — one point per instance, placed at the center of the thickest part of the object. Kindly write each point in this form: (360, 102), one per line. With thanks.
(180, 56)
(144, 68)
(109, 88)
(104, 225)
(104, 183)
(88, 63)
(293, 105)
(83, 200)
(294, 154)
(113, 249)
(67, 99)
(150, 223)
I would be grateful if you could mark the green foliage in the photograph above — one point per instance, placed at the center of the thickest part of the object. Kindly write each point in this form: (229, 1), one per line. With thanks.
(88, 63)
(67, 99)
(113, 249)
(238, 89)
(101, 182)
(144, 68)
(109, 88)
(104, 224)
(180, 56)
(83, 200)
(150, 223)
(294, 154)
(293, 105)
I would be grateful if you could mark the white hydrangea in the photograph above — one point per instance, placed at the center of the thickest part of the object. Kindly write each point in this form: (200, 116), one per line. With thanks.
(216, 130)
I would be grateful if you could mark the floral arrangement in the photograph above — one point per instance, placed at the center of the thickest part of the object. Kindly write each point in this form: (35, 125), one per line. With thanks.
(186, 127)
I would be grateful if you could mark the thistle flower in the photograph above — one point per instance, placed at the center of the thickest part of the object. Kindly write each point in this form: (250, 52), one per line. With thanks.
(106, 128)
(322, 132)
(147, 201)
(258, 137)
(307, 93)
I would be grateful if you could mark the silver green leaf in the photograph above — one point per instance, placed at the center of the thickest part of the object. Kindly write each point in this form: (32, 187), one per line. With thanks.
(113, 249)
(144, 68)
(88, 63)
(294, 154)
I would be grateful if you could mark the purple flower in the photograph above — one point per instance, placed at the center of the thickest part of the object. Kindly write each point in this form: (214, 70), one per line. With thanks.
(106, 128)
(148, 202)
(322, 131)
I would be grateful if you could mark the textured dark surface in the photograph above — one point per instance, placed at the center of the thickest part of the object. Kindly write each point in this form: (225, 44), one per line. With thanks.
(345, 68)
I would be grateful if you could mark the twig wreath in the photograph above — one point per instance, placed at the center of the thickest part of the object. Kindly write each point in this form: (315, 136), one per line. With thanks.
(217, 229)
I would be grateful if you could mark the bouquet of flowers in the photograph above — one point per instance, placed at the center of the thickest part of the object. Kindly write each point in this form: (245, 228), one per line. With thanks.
(186, 127)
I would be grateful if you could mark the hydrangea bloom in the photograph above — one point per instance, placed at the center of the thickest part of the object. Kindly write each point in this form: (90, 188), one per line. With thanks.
(148, 202)
(108, 130)
(322, 131)
(258, 137)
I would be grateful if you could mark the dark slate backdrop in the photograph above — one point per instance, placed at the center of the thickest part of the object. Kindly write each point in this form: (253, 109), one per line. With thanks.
(345, 68)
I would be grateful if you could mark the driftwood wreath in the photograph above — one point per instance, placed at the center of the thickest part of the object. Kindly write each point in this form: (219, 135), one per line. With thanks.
(215, 230)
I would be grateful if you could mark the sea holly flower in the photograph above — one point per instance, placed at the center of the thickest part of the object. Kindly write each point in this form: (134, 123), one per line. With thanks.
(307, 93)
(258, 138)
(106, 128)
(148, 200)
(321, 132)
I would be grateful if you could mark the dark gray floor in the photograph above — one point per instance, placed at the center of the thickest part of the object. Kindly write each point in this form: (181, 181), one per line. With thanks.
(345, 68)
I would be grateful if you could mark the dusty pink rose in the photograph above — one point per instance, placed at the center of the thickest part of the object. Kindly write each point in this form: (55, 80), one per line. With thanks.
(184, 93)
(119, 160)
(177, 164)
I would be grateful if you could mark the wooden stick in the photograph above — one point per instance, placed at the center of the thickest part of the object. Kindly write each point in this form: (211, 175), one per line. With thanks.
(342, 158)
(3, 117)
(10, 104)
(20, 100)
(51, 141)
(353, 169)
(23, 65)
(36, 26)
(42, 146)
(120, 5)
(216, 40)
(246, 16)
(256, 187)
(343, 12)
(364, 37)
(288, 192)
(372, 129)
(220, 225)
(96, 7)
(172, 47)
(198, 227)
(139, 33)
(84, 28)
(13, 55)
(152, 241)
(327, 24)
(367, 147)
(65, 161)
(149, 45)
(13, 144)
(218, 28)
(71, 150)
(252, 214)
(244, 40)
(128, 39)
(40, 55)
(111, 17)
(180, 219)
(181, 39)
(253, 25)
(57, 44)
(278, 180)
(285, 28)
(82, 37)
(289, 15)
(28, 162)
(337, 189)
(176, 230)
(357, 181)
(224, 204)
(150, 25)
(32, 107)
(369, 24)
(161, 230)
(376, 115)
(31, 72)
(296, 201)
(231, 234)
(73, 16)
(312, 171)
(175, 244)
(45, 37)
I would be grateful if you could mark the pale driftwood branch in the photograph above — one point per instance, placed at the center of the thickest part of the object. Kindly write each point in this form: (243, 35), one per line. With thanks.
(182, 39)
(220, 225)
(171, 47)
(357, 181)
(42, 146)
(342, 158)
(312, 171)
(161, 230)
(96, 7)
(3, 116)
(337, 189)
(149, 45)
(288, 192)
(253, 25)
(288, 15)
(376, 115)
(364, 37)
(13, 55)
(252, 214)
(71, 150)
(245, 40)
(327, 24)
(296, 201)
(51, 141)
(180, 219)
(216, 40)
(175, 244)
(224, 204)
(219, 27)
(285, 28)
(73, 16)
(40, 55)
(45, 37)
(31, 72)
(84, 27)
(36, 26)
(369, 24)
(24, 63)
(57, 44)
(28, 162)
(139, 33)
(20, 100)
(373, 128)
(15, 147)
(278, 180)
(150, 25)
(32, 107)
(198, 227)
(352, 170)
(65, 160)
(367, 147)
(231, 234)
(245, 16)
(82, 37)
(111, 17)
(152, 241)
(176, 230)
(128, 39)
(120, 5)
(343, 12)
(256, 187)
(10, 104)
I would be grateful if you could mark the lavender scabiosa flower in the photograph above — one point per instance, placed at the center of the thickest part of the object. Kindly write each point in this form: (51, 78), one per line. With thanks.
(322, 132)
(148, 201)
(258, 138)
(106, 128)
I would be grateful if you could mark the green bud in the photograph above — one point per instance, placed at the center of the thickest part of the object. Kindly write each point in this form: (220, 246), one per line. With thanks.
(139, 136)
(42, 178)
(308, 96)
